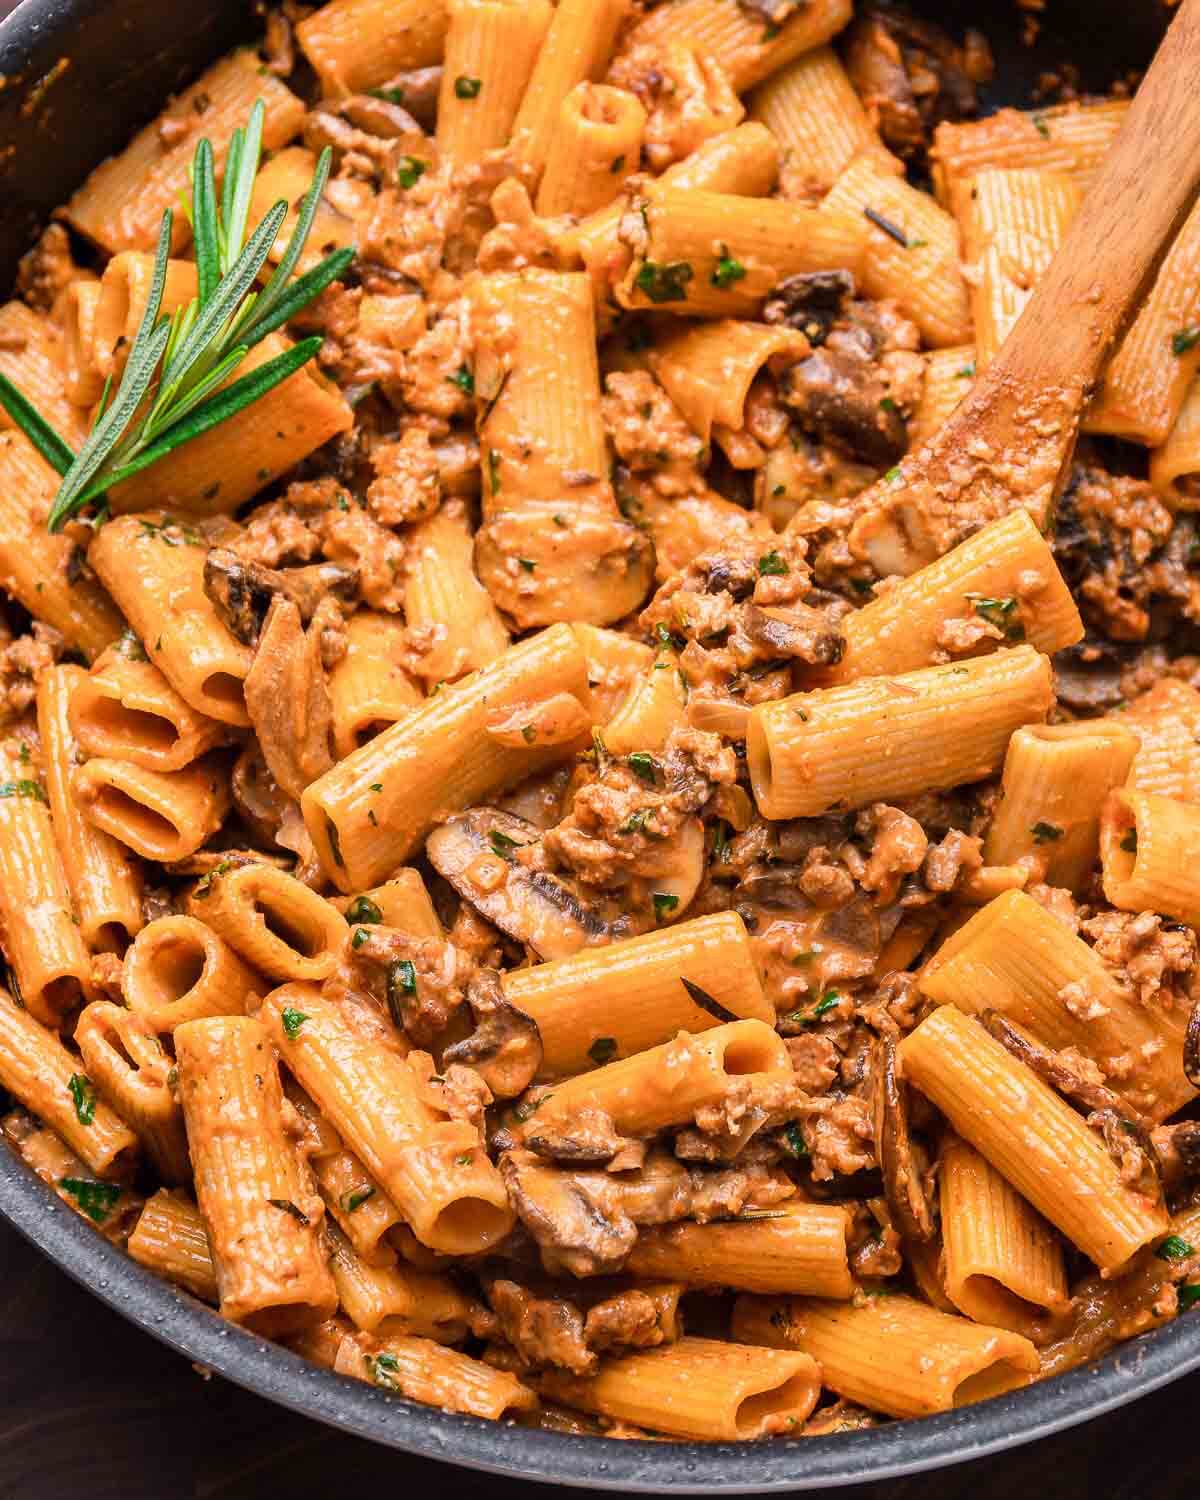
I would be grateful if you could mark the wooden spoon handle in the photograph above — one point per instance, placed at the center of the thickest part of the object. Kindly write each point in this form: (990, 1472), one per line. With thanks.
(1130, 215)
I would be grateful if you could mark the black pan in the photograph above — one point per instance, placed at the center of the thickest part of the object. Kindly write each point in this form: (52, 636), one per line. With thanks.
(56, 122)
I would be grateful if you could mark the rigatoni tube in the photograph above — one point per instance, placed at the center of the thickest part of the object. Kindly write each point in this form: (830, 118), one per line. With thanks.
(177, 969)
(630, 996)
(698, 1388)
(371, 811)
(262, 1217)
(891, 1353)
(491, 47)
(355, 45)
(1149, 850)
(1032, 1138)
(276, 923)
(880, 738)
(170, 1239)
(553, 545)
(161, 815)
(427, 1372)
(434, 1169)
(597, 141)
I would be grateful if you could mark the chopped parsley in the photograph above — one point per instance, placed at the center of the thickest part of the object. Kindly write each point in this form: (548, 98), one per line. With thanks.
(96, 1199)
(335, 843)
(355, 1198)
(636, 822)
(502, 844)
(894, 476)
(382, 1369)
(666, 640)
(721, 841)
(967, 372)
(467, 88)
(392, 96)
(664, 904)
(665, 283)
(377, 786)
(30, 789)
(464, 380)
(643, 765)
(1046, 833)
(887, 404)
(1188, 1297)
(1174, 1248)
(363, 909)
(292, 1021)
(603, 1050)
(285, 1205)
(401, 980)
(204, 884)
(84, 1095)
(771, 565)
(727, 270)
(1041, 125)
(361, 935)
(409, 171)
(793, 1139)
(1185, 340)
(494, 470)
(527, 563)
(465, 1159)
(1002, 613)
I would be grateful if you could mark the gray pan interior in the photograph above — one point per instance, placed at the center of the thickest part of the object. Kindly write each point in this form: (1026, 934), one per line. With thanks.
(123, 57)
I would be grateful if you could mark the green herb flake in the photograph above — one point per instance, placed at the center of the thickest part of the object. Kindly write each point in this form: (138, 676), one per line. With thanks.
(793, 1139)
(1188, 1297)
(665, 283)
(1046, 833)
(643, 765)
(727, 271)
(355, 1198)
(464, 380)
(603, 1050)
(465, 1159)
(23, 788)
(96, 1199)
(527, 563)
(664, 904)
(467, 88)
(826, 1003)
(402, 977)
(392, 96)
(292, 1020)
(967, 372)
(293, 1210)
(636, 822)
(502, 844)
(771, 565)
(894, 475)
(204, 884)
(1186, 339)
(1174, 1248)
(84, 1095)
(361, 935)
(363, 909)
(1042, 126)
(377, 786)
(1002, 613)
(371, 818)
(409, 171)
(494, 471)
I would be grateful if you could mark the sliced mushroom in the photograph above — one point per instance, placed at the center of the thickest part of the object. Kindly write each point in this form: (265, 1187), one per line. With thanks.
(811, 302)
(588, 1139)
(378, 115)
(672, 889)
(796, 632)
(842, 400)
(505, 1048)
(260, 803)
(898, 1160)
(417, 90)
(477, 853)
(287, 697)
(1178, 1148)
(241, 591)
(577, 1230)
(1049, 1066)
(1129, 1144)
(1191, 1047)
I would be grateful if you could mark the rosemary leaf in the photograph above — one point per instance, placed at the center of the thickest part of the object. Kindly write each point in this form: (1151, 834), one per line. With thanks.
(241, 172)
(299, 294)
(273, 290)
(35, 427)
(205, 223)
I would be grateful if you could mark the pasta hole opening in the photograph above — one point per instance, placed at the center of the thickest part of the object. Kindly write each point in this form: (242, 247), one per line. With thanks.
(131, 726)
(108, 937)
(300, 939)
(176, 970)
(150, 828)
(997, 1378)
(467, 1226)
(62, 995)
(794, 1398)
(117, 1044)
(748, 1055)
(226, 689)
(363, 733)
(993, 1302)
(758, 759)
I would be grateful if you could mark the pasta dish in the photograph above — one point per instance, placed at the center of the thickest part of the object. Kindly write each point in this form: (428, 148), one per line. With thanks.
(508, 886)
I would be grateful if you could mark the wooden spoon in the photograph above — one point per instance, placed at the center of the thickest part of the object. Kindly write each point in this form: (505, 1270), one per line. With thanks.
(1010, 441)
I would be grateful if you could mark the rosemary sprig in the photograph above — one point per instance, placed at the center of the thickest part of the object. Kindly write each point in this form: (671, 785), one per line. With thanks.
(173, 387)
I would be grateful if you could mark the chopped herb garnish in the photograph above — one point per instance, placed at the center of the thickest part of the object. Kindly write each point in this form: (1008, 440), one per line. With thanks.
(665, 283)
(494, 470)
(1188, 1297)
(377, 786)
(97, 1199)
(887, 404)
(893, 231)
(292, 1021)
(801, 715)
(826, 1003)
(666, 640)
(361, 935)
(23, 788)
(636, 822)
(527, 563)
(663, 904)
(643, 765)
(382, 1368)
(464, 380)
(84, 1095)
(130, 648)
(355, 1198)
(204, 884)
(335, 843)
(617, 166)
(727, 270)
(1185, 339)
(467, 88)
(1046, 833)
(409, 171)
(502, 844)
(363, 909)
(706, 1002)
(793, 1139)
(465, 1159)
(1174, 1248)
(1041, 125)
(401, 981)
(894, 476)
(371, 818)
(285, 1205)
(1002, 613)
(771, 565)
(967, 372)
(392, 96)
(721, 841)
(603, 1050)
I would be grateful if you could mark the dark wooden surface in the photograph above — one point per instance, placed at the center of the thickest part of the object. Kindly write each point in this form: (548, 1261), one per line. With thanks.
(93, 1409)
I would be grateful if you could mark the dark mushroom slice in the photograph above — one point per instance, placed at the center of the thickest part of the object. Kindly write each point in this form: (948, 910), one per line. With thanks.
(1178, 1148)
(417, 91)
(505, 1048)
(1050, 1067)
(241, 591)
(841, 399)
(1131, 1148)
(898, 1161)
(576, 1228)
(477, 853)
(378, 115)
(797, 632)
(588, 1139)
(811, 302)
(1191, 1047)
